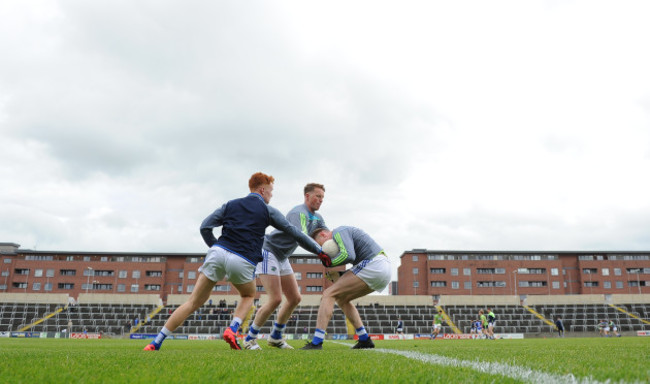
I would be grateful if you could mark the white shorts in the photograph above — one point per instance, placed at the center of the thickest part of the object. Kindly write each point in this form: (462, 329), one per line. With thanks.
(606, 329)
(272, 266)
(437, 326)
(376, 272)
(220, 263)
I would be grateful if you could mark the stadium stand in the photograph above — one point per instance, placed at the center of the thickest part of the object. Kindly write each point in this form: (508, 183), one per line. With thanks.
(118, 319)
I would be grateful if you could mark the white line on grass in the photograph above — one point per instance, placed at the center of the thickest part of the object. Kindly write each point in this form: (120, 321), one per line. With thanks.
(513, 371)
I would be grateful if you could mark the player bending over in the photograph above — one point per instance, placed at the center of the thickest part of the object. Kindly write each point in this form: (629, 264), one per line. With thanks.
(235, 254)
(370, 272)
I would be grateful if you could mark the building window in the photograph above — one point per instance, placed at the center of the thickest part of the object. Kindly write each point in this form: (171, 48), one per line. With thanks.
(556, 285)
(121, 287)
(135, 287)
(416, 284)
(454, 271)
(222, 288)
(314, 288)
(67, 272)
(36, 286)
(605, 272)
(314, 275)
(153, 273)
(191, 275)
(48, 287)
(591, 284)
(21, 271)
(554, 272)
(489, 284)
(123, 274)
(65, 286)
(437, 271)
(467, 284)
(607, 284)
(38, 273)
(415, 257)
(455, 285)
(3, 287)
(152, 287)
(298, 275)
(189, 288)
(467, 271)
(416, 271)
(617, 272)
(619, 285)
(5, 273)
(135, 274)
(589, 271)
(438, 283)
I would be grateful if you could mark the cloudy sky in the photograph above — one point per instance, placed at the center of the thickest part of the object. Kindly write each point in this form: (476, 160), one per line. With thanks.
(464, 125)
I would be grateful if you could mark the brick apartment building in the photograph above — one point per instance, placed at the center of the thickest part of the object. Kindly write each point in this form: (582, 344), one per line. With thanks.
(425, 272)
(31, 271)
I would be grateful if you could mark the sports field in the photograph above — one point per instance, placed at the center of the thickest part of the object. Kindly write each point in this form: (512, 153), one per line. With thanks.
(569, 360)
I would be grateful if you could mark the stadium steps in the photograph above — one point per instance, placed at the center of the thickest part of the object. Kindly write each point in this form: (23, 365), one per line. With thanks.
(629, 314)
(147, 319)
(42, 319)
(539, 316)
(448, 320)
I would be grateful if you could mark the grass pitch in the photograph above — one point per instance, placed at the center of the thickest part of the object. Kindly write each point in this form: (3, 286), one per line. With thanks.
(585, 360)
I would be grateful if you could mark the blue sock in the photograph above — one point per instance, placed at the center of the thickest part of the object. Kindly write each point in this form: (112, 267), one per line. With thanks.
(277, 330)
(162, 335)
(234, 324)
(252, 332)
(319, 335)
(363, 335)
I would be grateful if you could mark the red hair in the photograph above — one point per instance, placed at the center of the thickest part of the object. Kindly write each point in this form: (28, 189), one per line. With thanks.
(258, 179)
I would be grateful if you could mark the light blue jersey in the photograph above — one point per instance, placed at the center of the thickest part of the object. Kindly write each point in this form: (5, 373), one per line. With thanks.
(281, 244)
(354, 246)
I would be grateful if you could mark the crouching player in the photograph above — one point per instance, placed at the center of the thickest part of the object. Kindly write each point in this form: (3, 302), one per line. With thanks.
(235, 254)
(370, 272)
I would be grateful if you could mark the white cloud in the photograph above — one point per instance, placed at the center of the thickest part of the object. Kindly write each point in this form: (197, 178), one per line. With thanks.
(464, 125)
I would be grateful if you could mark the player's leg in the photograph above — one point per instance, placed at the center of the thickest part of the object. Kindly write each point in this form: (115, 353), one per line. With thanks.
(292, 299)
(271, 285)
(199, 296)
(241, 274)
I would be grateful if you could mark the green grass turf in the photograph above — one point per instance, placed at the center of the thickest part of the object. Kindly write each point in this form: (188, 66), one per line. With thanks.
(82, 361)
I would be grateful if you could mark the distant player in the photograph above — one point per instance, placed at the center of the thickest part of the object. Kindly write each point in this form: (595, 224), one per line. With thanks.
(437, 324)
(234, 255)
(276, 273)
(559, 326)
(491, 319)
(603, 328)
(400, 328)
(370, 272)
(484, 322)
(614, 329)
(479, 328)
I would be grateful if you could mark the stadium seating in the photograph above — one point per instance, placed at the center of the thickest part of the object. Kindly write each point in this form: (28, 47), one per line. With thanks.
(118, 319)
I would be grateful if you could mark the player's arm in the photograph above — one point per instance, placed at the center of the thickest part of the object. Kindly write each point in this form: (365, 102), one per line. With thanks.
(279, 222)
(214, 220)
(343, 255)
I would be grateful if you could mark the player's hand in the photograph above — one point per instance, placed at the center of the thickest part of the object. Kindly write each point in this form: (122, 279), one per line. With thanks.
(326, 260)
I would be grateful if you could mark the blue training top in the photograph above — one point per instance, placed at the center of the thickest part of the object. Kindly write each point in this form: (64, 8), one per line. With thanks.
(244, 222)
